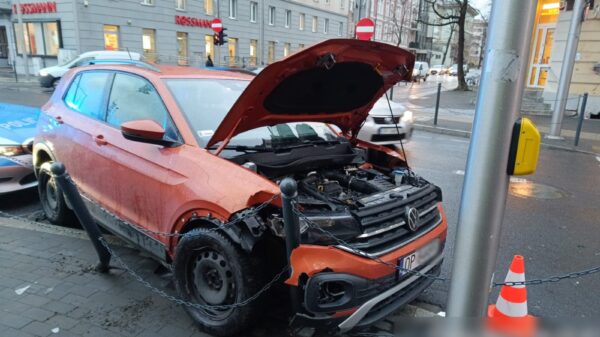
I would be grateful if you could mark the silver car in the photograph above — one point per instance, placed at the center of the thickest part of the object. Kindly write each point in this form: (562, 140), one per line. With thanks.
(380, 126)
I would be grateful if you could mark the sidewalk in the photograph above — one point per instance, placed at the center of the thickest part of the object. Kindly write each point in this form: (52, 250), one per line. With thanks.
(48, 287)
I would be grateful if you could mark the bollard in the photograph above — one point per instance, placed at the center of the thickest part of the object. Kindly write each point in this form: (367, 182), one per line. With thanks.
(437, 103)
(581, 116)
(85, 218)
(289, 192)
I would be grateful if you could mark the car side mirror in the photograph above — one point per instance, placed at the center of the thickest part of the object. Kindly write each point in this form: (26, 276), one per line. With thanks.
(145, 131)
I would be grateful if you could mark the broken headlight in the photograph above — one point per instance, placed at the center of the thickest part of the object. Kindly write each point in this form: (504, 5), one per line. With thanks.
(324, 229)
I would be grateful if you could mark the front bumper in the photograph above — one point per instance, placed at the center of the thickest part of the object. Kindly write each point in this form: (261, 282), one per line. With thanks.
(47, 81)
(14, 176)
(373, 132)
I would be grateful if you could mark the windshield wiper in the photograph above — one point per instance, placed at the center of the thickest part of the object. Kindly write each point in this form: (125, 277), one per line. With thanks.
(244, 148)
(309, 143)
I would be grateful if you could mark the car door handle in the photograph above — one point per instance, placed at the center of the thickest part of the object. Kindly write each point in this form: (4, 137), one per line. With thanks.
(99, 139)
(59, 120)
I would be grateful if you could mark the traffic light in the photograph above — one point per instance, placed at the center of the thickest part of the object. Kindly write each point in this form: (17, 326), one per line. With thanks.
(222, 37)
(217, 39)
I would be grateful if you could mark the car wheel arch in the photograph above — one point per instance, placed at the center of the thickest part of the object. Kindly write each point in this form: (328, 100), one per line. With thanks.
(41, 155)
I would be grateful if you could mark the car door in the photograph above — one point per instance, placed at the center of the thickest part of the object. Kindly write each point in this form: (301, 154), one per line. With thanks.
(140, 176)
(76, 119)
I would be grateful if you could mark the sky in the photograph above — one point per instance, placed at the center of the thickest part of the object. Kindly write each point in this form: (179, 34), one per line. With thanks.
(483, 5)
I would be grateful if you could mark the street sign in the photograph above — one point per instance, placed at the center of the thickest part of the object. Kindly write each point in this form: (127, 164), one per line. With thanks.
(365, 29)
(216, 25)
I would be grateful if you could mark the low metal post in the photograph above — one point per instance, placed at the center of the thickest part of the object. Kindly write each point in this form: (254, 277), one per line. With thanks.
(581, 116)
(392, 93)
(85, 218)
(289, 192)
(437, 103)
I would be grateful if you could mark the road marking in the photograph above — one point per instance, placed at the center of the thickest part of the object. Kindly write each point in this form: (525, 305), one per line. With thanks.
(20, 291)
(459, 172)
(517, 180)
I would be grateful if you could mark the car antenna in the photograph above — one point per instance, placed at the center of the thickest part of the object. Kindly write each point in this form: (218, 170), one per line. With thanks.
(129, 53)
(398, 132)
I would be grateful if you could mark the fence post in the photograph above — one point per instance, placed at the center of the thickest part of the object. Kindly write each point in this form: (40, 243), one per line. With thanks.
(289, 192)
(581, 116)
(437, 103)
(85, 218)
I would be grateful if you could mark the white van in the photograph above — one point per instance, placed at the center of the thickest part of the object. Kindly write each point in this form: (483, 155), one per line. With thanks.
(420, 71)
(49, 76)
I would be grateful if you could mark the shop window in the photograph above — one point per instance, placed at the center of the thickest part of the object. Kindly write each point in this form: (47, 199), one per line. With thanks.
(182, 48)
(286, 49)
(41, 38)
(232, 49)
(253, 52)
(111, 37)
(209, 47)
(271, 52)
(149, 44)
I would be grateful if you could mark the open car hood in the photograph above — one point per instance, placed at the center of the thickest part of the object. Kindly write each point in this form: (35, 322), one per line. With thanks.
(336, 81)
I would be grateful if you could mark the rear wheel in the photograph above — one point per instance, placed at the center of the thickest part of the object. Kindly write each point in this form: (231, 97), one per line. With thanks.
(51, 197)
(211, 271)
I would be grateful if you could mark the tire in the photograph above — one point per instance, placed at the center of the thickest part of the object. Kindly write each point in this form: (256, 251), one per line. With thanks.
(221, 265)
(51, 197)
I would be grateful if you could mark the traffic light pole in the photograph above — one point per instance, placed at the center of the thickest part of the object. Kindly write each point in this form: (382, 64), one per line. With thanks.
(486, 179)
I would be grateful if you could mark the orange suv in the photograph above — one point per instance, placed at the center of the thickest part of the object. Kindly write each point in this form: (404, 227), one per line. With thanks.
(167, 157)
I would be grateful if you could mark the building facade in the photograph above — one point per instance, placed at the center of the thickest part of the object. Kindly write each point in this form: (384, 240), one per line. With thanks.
(445, 38)
(258, 32)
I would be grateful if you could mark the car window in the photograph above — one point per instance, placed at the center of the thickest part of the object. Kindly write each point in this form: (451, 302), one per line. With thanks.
(134, 98)
(86, 93)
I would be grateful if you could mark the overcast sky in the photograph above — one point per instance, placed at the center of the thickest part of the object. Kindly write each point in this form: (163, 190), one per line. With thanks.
(483, 5)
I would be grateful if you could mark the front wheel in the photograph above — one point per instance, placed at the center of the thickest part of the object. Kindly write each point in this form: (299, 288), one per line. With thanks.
(51, 197)
(211, 271)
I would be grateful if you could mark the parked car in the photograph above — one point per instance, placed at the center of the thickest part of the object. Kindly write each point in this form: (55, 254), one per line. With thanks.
(380, 126)
(453, 71)
(187, 151)
(50, 76)
(420, 71)
(437, 70)
(17, 130)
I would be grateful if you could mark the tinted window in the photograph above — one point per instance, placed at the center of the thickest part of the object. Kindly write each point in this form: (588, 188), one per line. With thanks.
(134, 98)
(86, 94)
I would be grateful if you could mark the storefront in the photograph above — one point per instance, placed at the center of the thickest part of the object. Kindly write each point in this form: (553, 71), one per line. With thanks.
(542, 41)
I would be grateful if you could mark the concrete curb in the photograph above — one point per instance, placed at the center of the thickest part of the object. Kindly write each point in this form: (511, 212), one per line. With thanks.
(467, 134)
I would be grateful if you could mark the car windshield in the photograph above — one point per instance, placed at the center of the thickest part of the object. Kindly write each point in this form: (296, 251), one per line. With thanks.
(205, 102)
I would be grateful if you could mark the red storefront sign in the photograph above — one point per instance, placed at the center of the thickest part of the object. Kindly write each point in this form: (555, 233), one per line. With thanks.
(36, 8)
(189, 21)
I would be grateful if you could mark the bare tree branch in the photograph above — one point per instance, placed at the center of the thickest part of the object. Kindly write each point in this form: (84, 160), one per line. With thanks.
(437, 24)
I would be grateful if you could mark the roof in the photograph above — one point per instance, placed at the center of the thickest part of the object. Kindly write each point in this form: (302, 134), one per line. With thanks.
(167, 71)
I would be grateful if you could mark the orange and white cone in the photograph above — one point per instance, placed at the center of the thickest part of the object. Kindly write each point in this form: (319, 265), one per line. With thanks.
(510, 315)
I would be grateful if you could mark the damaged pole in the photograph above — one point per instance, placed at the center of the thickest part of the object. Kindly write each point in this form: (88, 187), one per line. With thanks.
(486, 179)
(289, 193)
(85, 218)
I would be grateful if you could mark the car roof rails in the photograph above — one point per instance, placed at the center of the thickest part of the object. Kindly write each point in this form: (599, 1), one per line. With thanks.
(136, 63)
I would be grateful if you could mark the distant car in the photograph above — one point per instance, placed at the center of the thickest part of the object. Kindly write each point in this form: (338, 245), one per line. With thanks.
(380, 126)
(420, 71)
(49, 76)
(437, 70)
(453, 71)
(17, 130)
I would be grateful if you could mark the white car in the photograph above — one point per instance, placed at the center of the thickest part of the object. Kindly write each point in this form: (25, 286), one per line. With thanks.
(420, 71)
(49, 76)
(380, 126)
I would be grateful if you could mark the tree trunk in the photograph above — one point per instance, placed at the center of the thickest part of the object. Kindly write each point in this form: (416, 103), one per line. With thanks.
(462, 83)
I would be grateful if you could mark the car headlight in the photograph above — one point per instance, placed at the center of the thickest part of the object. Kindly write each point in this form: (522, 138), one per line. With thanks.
(43, 73)
(12, 150)
(408, 116)
(323, 228)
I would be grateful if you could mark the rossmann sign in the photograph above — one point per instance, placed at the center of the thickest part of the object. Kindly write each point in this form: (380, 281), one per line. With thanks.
(189, 21)
(36, 8)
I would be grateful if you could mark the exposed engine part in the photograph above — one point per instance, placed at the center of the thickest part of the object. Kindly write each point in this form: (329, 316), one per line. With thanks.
(251, 166)
(275, 223)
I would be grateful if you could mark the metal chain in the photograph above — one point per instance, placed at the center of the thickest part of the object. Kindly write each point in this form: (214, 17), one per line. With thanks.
(552, 279)
(179, 301)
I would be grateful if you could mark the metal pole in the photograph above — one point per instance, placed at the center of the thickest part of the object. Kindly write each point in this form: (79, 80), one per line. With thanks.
(21, 37)
(566, 73)
(85, 218)
(437, 103)
(289, 192)
(581, 116)
(486, 181)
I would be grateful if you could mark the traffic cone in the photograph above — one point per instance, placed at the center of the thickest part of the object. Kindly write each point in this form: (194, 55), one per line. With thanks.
(509, 314)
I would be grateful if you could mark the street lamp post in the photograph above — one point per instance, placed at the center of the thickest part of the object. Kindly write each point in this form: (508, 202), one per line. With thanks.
(21, 37)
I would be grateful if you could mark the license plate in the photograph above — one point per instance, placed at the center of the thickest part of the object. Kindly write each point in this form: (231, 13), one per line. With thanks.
(418, 258)
(388, 131)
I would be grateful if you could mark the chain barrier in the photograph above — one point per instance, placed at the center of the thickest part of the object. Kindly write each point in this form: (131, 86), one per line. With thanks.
(179, 301)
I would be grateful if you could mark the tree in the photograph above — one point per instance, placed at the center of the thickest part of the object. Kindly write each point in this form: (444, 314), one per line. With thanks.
(399, 21)
(454, 12)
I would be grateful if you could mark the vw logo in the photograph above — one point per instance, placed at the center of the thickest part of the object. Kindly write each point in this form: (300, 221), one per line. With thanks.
(412, 218)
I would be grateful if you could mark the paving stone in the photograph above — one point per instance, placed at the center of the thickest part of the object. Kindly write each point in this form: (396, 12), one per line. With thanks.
(33, 300)
(38, 314)
(75, 300)
(172, 330)
(6, 331)
(14, 321)
(13, 307)
(59, 307)
(38, 329)
(62, 321)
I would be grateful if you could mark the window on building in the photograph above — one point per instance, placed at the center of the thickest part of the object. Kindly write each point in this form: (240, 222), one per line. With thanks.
(253, 11)
(209, 7)
(286, 49)
(326, 26)
(209, 47)
(253, 52)
(232, 49)
(342, 4)
(271, 15)
(301, 45)
(111, 37)
(271, 52)
(41, 38)
(149, 44)
(148, 2)
(341, 29)
(86, 93)
(180, 4)
(288, 18)
(314, 24)
(232, 9)
(182, 48)
(301, 22)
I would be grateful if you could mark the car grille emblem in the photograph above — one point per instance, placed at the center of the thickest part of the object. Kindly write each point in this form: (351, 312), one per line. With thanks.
(412, 218)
